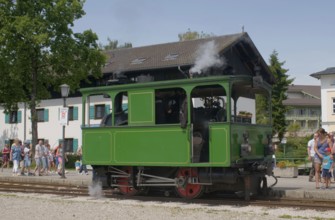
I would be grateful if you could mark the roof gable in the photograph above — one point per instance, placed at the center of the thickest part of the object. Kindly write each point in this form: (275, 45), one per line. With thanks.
(184, 54)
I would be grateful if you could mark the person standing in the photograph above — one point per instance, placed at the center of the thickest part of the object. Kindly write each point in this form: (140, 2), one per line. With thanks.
(38, 157)
(27, 158)
(82, 166)
(59, 155)
(327, 167)
(311, 153)
(320, 146)
(15, 155)
(5, 156)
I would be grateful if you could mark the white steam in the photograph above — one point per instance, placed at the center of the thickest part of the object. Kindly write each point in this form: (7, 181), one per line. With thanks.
(95, 190)
(207, 56)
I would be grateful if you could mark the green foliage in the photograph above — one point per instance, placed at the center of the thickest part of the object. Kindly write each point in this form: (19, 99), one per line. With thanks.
(39, 51)
(71, 160)
(279, 89)
(293, 129)
(262, 110)
(192, 35)
(296, 147)
(114, 44)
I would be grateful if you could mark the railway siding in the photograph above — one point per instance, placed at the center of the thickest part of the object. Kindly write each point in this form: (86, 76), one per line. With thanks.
(289, 188)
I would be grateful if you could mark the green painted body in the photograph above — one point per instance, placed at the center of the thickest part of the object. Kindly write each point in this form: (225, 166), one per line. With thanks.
(143, 143)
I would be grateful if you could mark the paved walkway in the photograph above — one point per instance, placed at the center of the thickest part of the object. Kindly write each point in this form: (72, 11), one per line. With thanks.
(298, 187)
(71, 178)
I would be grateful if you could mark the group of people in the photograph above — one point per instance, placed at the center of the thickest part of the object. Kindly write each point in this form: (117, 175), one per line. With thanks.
(21, 156)
(321, 152)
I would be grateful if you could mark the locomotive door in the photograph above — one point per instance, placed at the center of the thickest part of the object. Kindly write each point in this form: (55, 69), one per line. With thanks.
(207, 107)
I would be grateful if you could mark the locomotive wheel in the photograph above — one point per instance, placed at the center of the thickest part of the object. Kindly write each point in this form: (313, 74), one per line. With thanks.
(125, 184)
(188, 190)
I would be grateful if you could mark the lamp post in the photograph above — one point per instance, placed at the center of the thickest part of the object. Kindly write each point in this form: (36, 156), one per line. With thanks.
(65, 92)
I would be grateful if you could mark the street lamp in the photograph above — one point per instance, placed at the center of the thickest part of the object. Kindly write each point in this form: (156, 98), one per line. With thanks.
(65, 89)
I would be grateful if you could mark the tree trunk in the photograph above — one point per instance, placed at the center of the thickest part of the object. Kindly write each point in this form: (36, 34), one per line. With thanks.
(34, 130)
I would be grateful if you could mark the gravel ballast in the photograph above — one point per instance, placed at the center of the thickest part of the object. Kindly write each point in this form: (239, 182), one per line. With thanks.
(37, 206)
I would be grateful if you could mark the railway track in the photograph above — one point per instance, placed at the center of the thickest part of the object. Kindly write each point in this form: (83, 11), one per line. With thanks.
(76, 191)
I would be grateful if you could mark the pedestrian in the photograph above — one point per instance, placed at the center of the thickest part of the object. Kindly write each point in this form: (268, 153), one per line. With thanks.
(327, 167)
(59, 154)
(5, 157)
(45, 159)
(320, 146)
(51, 163)
(38, 157)
(27, 158)
(311, 153)
(82, 166)
(22, 157)
(15, 156)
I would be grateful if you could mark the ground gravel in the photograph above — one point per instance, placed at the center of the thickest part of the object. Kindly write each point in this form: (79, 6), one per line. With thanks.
(36, 206)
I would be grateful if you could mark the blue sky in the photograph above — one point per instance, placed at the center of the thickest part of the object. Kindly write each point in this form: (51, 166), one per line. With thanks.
(301, 31)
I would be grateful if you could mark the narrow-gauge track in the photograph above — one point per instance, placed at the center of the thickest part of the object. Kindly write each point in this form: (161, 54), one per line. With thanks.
(66, 190)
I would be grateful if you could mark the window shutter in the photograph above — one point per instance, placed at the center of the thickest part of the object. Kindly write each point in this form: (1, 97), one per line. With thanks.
(75, 145)
(19, 116)
(92, 112)
(75, 113)
(46, 115)
(7, 118)
(107, 109)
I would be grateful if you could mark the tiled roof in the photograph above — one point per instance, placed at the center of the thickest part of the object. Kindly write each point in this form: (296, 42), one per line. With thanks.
(312, 94)
(303, 102)
(328, 71)
(182, 53)
(162, 55)
(306, 89)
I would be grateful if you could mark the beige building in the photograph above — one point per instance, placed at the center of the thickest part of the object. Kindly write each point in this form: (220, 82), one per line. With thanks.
(304, 103)
(327, 80)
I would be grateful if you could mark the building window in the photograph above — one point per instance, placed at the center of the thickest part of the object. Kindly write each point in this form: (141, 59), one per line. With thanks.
(333, 105)
(13, 117)
(42, 115)
(71, 145)
(73, 113)
(99, 111)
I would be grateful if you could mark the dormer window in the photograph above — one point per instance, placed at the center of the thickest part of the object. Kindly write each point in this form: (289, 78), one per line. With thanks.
(171, 56)
(138, 61)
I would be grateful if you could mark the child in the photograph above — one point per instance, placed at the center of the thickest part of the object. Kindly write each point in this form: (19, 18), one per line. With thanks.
(5, 156)
(327, 167)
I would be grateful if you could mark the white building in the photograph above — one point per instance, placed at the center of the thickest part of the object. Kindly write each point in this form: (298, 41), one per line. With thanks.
(17, 124)
(327, 80)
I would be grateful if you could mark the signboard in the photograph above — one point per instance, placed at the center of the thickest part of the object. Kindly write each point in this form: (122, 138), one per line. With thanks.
(63, 116)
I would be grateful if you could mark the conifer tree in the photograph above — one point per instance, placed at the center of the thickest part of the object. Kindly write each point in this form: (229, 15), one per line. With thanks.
(279, 89)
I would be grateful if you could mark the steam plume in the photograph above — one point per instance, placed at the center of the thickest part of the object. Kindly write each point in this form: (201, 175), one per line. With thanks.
(95, 190)
(207, 56)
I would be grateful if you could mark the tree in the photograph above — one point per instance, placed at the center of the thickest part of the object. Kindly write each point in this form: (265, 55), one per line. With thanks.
(39, 51)
(114, 44)
(192, 35)
(279, 89)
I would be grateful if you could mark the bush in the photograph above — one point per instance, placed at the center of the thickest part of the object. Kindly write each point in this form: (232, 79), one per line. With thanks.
(285, 163)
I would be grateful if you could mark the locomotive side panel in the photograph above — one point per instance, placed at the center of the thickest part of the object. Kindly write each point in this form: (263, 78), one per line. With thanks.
(151, 146)
(219, 144)
(97, 144)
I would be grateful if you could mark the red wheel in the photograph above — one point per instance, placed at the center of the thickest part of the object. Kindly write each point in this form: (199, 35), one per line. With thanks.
(125, 185)
(188, 190)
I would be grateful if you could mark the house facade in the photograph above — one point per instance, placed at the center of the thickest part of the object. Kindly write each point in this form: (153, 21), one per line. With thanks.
(304, 108)
(327, 80)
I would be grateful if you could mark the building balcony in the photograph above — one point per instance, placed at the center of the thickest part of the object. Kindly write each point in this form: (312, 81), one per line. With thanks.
(303, 117)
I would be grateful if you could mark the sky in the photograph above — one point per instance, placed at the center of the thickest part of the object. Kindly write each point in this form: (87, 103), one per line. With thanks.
(301, 31)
